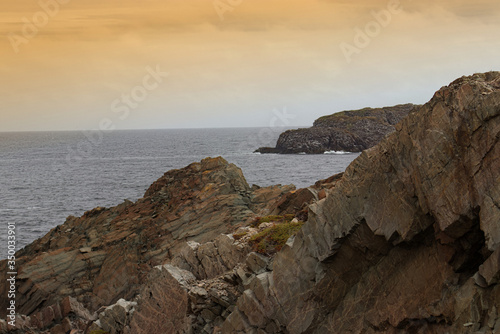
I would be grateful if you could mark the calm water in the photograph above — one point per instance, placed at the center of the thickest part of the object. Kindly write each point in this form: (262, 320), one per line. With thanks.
(47, 176)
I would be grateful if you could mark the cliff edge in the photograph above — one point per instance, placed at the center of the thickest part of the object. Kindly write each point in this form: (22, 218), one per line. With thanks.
(347, 131)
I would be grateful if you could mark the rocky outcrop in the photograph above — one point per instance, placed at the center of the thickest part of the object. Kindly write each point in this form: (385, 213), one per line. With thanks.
(407, 240)
(107, 254)
(347, 131)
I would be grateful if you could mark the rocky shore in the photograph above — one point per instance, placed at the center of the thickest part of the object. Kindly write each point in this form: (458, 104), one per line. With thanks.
(407, 240)
(346, 131)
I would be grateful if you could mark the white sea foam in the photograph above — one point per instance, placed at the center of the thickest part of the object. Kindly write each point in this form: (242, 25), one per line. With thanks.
(337, 152)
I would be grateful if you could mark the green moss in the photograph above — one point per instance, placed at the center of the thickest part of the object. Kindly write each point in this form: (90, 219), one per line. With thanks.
(238, 236)
(273, 238)
(269, 219)
(99, 331)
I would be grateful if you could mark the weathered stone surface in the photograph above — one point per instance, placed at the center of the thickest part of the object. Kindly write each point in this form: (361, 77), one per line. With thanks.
(106, 254)
(257, 262)
(394, 245)
(68, 315)
(184, 277)
(212, 258)
(162, 305)
(116, 317)
(490, 269)
(350, 131)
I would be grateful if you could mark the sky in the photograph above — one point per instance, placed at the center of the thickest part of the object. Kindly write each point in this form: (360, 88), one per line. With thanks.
(122, 64)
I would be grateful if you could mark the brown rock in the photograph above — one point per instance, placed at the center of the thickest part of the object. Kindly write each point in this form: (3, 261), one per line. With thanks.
(321, 194)
(490, 269)
(70, 305)
(162, 306)
(106, 254)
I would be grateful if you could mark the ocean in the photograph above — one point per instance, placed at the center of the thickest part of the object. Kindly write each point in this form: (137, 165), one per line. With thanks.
(47, 176)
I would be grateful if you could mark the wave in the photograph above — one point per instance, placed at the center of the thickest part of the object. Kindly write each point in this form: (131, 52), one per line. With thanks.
(338, 152)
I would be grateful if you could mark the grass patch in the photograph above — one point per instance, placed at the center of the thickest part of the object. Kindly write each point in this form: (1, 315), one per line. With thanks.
(273, 238)
(273, 218)
(238, 236)
(269, 219)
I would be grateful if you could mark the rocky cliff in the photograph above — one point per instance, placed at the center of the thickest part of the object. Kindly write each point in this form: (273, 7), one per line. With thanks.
(348, 131)
(407, 240)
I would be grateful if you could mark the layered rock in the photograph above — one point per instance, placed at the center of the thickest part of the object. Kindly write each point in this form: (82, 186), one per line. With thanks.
(174, 300)
(407, 240)
(348, 131)
(107, 254)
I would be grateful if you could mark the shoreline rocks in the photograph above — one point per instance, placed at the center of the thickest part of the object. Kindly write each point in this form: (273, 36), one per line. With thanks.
(346, 131)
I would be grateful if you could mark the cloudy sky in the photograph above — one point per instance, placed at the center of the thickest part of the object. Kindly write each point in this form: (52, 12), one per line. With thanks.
(69, 65)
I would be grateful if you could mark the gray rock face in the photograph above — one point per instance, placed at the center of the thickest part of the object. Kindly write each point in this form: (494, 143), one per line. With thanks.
(349, 131)
(402, 240)
(212, 258)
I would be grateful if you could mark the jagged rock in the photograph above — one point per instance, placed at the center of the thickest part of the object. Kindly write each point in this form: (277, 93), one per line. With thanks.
(162, 305)
(490, 269)
(65, 316)
(257, 262)
(394, 245)
(106, 254)
(349, 131)
(244, 275)
(212, 258)
(184, 277)
(115, 317)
